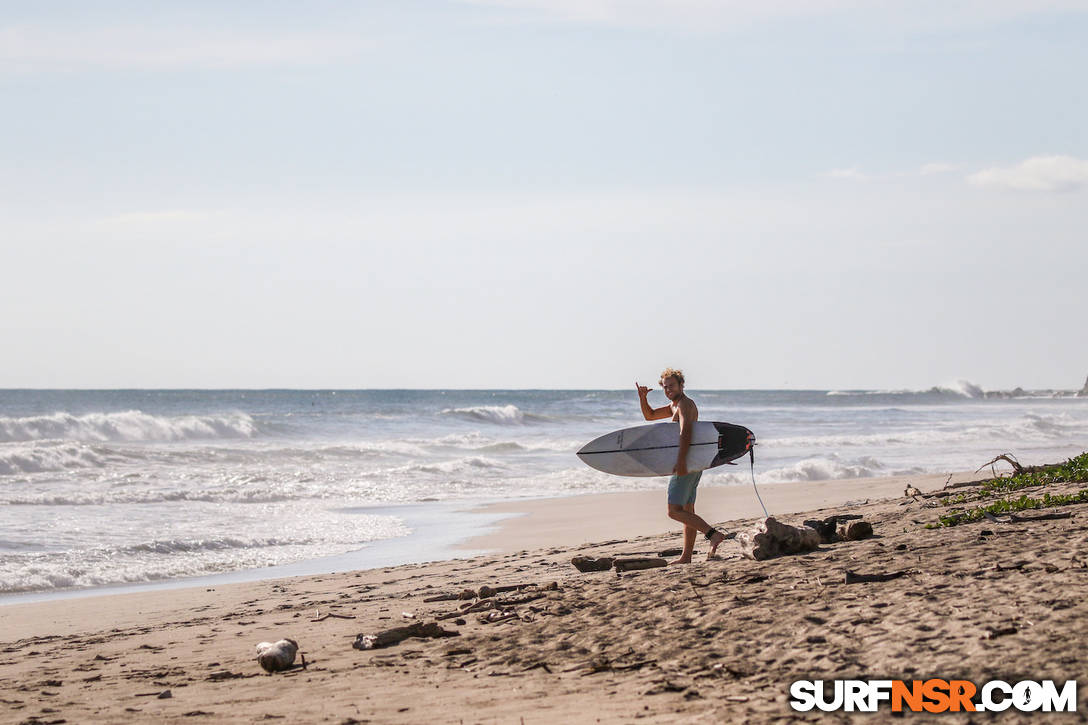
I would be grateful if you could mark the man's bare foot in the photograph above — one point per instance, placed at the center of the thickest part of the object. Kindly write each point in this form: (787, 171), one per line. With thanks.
(715, 540)
(681, 560)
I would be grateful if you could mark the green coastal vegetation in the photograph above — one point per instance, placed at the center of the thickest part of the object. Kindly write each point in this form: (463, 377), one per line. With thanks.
(997, 496)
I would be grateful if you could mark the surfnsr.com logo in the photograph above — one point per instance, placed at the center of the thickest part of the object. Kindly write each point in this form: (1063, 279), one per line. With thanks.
(933, 695)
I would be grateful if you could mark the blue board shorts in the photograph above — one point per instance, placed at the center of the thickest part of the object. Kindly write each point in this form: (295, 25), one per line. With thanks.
(682, 489)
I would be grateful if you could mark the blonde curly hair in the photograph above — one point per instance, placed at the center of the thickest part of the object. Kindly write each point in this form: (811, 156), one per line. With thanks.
(672, 373)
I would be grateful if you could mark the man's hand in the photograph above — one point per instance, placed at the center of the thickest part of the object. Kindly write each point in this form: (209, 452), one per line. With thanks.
(642, 391)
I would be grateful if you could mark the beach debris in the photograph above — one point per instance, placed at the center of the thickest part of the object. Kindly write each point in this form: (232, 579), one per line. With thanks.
(1008, 458)
(277, 656)
(1025, 518)
(467, 594)
(319, 617)
(831, 529)
(221, 675)
(1020, 518)
(421, 630)
(637, 564)
(520, 598)
(448, 596)
(911, 491)
(852, 577)
(772, 538)
(477, 605)
(856, 531)
(670, 552)
(999, 632)
(497, 615)
(486, 591)
(826, 528)
(586, 564)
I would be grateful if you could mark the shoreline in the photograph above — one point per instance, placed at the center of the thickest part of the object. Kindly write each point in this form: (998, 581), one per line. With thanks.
(508, 527)
(440, 526)
(575, 520)
(458, 529)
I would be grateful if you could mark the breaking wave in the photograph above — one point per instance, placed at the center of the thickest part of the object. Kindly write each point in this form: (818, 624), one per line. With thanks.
(957, 388)
(129, 425)
(494, 414)
(820, 468)
(185, 556)
(57, 456)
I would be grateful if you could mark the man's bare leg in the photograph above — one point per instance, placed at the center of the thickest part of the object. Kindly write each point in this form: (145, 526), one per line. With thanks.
(692, 523)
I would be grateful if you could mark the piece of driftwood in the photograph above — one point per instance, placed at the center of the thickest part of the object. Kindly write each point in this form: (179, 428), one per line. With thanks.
(520, 598)
(322, 617)
(448, 596)
(855, 578)
(422, 630)
(826, 528)
(587, 564)
(1008, 458)
(1026, 518)
(622, 565)
(999, 632)
(1020, 518)
(497, 615)
(856, 531)
(277, 656)
(478, 605)
(771, 538)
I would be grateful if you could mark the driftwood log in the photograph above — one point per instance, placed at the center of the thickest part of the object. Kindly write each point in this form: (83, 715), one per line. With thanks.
(428, 630)
(771, 538)
(855, 578)
(622, 565)
(587, 564)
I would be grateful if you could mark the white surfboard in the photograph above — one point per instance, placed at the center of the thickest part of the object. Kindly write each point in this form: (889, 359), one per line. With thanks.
(651, 450)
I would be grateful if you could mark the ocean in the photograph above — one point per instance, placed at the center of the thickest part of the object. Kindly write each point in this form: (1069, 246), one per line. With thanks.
(120, 487)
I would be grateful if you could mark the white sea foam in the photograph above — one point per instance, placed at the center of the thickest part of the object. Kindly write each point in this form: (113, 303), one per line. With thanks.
(268, 536)
(451, 467)
(495, 414)
(961, 388)
(50, 456)
(964, 388)
(816, 468)
(130, 425)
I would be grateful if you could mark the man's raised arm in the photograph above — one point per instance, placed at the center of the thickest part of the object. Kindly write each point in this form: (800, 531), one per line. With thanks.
(647, 412)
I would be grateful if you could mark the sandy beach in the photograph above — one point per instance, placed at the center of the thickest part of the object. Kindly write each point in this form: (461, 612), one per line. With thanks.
(712, 641)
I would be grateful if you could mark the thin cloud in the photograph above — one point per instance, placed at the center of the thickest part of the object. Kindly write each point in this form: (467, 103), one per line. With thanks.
(725, 14)
(30, 48)
(1039, 173)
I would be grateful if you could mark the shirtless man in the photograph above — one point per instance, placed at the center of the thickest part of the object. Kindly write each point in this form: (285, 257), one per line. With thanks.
(683, 485)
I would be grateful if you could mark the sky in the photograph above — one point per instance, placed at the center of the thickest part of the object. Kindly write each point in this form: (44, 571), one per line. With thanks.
(815, 194)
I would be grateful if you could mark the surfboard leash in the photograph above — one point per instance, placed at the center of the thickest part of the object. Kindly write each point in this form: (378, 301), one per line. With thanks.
(752, 458)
